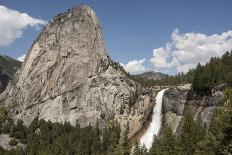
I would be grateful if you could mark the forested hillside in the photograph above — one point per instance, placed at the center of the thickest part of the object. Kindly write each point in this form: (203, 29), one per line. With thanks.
(203, 77)
(44, 138)
(216, 71)
(151, 75)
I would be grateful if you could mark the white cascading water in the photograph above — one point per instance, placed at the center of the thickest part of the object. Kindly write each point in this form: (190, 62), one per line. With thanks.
(155, 125)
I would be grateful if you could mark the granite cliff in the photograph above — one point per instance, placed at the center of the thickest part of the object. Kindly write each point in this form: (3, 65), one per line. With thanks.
(177, 100)
(67, 75)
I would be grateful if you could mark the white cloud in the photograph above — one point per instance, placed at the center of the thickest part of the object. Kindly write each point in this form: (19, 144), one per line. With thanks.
(135, 66)
(21, 58)
(185, 50)
(12, 24)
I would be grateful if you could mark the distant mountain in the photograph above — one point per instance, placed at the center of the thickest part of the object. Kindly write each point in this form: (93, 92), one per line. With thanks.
(151, 75)
(8, 67)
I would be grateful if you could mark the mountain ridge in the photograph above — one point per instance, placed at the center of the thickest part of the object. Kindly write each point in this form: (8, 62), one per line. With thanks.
(152, 75)
(8, 67)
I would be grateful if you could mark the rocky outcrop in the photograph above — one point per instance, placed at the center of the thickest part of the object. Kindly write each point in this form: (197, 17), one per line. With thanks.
(176, 100)
(5, 140)
(67, 75)
(8, 68)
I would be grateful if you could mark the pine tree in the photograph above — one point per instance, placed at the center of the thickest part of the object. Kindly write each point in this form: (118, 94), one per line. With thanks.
(206, 146)
(155, 148)
(192, 133)
(126, 146)
(225, 121)
(137, 149)
(166, 145)
(96, 142)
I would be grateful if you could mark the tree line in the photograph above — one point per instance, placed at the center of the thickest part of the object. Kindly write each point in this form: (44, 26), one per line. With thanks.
(217, 71)
(47, 138)
(43, 138)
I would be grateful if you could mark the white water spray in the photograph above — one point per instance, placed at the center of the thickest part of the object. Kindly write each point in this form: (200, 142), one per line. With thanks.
(155, 125)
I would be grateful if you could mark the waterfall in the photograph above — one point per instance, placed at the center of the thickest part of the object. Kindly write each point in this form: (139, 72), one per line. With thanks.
(155, 125)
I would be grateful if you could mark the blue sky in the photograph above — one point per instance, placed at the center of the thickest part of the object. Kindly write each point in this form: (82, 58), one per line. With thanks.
(142, 35)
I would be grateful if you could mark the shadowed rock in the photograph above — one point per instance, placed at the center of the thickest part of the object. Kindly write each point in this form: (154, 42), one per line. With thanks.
(8, 68)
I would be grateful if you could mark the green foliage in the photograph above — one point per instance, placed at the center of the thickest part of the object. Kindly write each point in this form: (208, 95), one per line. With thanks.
(139, 150)
(3, 114)
(218, 140)
(118, 67)
(118, 150)
(191, 141)
(133, 98)
(122, 107)
(16, 151)
(126, 146)
(2, 151)
(45, 138)
(166, 145)
(219, 137)
(225, 122)
(203, 77)
(206, 146)
(110, 137)
(178, 79)
(13, 142)
(216, 71)
(192, 133)
(19, 131)
(6, 123)
(226, 112)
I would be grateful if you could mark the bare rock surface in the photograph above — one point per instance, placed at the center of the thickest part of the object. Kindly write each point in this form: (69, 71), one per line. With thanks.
(177, 99)
(174, 100)
(68, 76)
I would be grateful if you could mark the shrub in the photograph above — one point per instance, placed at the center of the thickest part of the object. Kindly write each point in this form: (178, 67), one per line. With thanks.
(13, 142)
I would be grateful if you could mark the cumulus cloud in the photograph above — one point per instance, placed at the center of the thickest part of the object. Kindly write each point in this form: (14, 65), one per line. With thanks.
(21, 58)
(12, 24)
(185, 50)
(135, 66)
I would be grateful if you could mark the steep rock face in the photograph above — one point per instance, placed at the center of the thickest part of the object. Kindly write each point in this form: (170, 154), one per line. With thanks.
(8, 68)
(176, 100)
(67, 76)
